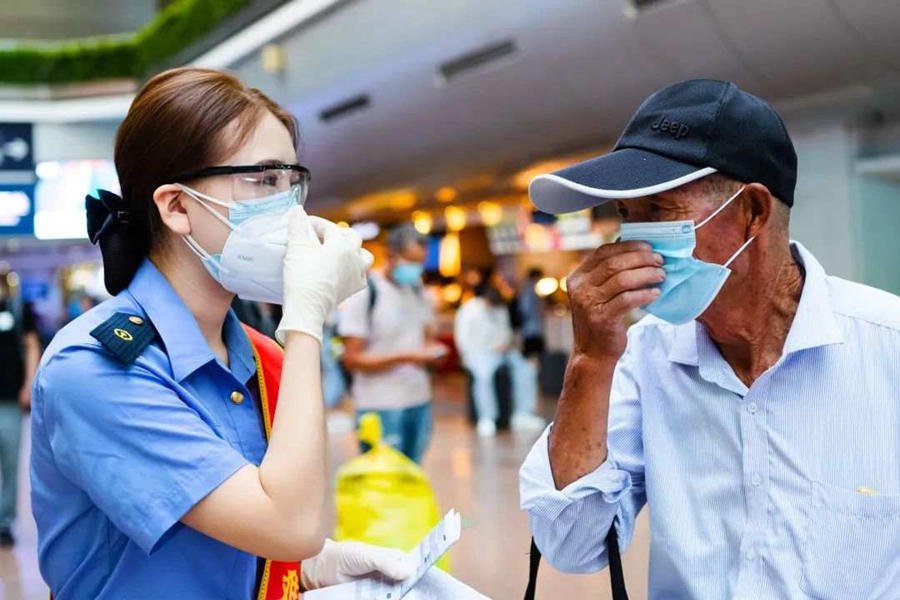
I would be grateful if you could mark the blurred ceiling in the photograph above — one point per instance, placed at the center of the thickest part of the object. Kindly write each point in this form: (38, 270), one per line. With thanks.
(429, 93)
(65, 19)
(398, 99)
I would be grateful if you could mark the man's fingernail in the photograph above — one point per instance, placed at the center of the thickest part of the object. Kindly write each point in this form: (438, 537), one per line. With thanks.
(656, 292)
(661, 273)
(658, 258)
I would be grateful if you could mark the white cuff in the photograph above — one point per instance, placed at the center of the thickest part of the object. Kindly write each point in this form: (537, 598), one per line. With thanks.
(539, 495)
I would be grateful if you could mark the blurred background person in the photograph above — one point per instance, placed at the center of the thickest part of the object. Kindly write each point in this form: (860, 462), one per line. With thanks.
(485, 341)
(261, 316)
(247, 312)
(530, 308)
(79, 304)
(388, 332)
(19, 356)
(334, 378)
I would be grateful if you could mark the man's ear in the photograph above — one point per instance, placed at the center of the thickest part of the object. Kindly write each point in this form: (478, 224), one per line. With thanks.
(759, 207)
(169, 200)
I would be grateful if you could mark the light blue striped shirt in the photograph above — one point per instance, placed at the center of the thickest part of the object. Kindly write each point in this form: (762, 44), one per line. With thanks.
(788, 489)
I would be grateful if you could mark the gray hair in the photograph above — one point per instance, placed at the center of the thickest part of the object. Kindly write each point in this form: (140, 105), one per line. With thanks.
(718, 188)
(400, 238)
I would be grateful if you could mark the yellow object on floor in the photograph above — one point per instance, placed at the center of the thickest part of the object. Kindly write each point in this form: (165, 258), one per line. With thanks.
(383, 497)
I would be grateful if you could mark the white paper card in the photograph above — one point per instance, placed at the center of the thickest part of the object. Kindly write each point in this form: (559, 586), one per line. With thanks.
(426, 584)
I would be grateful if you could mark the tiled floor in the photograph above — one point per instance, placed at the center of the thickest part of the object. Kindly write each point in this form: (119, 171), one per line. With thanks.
(479, 478)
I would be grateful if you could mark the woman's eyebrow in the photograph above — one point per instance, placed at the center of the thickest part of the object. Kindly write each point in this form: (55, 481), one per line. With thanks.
(275, 161)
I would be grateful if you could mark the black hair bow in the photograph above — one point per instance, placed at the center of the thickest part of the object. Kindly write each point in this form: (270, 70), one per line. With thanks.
(103, 213)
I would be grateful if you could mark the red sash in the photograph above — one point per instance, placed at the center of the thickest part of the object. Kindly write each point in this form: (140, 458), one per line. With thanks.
(280, 580)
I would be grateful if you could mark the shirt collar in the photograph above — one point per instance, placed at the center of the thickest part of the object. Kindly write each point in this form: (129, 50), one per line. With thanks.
(814, 323)
(684, 346)
(185, 345)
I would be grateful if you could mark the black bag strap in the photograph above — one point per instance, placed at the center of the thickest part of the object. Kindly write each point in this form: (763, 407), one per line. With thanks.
(616, 577)
(534, 563)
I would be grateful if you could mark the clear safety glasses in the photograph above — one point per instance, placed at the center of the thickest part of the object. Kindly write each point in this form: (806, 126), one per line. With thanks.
(252, 182)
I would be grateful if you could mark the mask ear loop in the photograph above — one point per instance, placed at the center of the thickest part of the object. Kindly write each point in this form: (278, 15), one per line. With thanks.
(200, 252)
(199, 197)
(720, 209)
(738, 253)
(196, 248)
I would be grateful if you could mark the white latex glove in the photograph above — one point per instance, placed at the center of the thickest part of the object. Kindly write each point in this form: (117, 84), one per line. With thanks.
(324, 265)
(342, 562)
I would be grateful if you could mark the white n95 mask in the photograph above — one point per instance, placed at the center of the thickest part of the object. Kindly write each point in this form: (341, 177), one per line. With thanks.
(691, 284)
(252, 260)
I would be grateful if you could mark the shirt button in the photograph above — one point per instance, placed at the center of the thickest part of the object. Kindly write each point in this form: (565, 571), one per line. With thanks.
(752, 408)
(136, 320)
(756, 480)
(751, 555)
(237, 397)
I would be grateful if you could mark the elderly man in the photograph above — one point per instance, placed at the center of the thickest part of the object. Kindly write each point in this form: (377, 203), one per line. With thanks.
(756, 411)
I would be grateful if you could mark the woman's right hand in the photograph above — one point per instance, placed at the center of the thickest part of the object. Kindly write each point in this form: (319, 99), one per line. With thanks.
(325, 264)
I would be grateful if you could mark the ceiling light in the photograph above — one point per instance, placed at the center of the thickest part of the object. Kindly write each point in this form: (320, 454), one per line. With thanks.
(491, 213)
(422, 222)
(546, 287)
(445, 194)
(456, 218)
(452, 293)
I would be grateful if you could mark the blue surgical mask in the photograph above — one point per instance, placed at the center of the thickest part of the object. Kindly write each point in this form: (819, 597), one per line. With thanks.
(408, 274)
(691, 284)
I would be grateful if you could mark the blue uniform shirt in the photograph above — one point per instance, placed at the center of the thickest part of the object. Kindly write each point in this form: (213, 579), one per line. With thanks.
(122, 452)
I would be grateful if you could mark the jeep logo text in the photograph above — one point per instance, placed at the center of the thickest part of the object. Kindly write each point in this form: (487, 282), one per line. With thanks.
(676, 129)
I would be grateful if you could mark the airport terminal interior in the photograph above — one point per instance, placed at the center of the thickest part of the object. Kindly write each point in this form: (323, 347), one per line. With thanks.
(433, 117)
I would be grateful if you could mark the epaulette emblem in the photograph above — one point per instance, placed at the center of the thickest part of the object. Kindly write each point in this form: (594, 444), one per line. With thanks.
(125, 335)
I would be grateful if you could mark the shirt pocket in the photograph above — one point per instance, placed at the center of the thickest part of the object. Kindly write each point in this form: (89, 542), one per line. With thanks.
(851, 545)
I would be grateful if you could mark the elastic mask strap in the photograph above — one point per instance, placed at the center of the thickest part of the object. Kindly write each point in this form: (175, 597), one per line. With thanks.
(200, 197)
(720, 209)
(738, 253)
(197, 249)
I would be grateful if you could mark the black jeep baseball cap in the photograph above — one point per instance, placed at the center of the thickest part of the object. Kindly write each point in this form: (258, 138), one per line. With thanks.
(680, 134)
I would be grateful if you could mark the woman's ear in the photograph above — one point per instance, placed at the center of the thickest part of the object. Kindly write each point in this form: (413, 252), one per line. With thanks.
(169, 200)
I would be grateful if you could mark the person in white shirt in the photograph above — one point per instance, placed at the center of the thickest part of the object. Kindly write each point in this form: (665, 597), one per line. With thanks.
(754, 412)
(388, 330)
(484, 338)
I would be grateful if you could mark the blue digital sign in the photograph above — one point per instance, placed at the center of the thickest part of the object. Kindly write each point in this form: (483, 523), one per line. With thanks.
(16, 152)
(16, 210)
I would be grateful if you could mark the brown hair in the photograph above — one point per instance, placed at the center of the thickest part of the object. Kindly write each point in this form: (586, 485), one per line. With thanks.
(175, 124)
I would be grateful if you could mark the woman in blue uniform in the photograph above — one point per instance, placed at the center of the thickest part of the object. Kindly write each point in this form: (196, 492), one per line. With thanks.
(151, 473)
